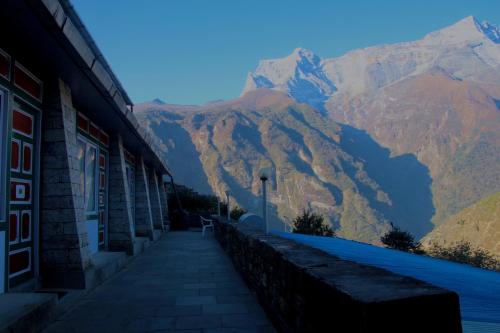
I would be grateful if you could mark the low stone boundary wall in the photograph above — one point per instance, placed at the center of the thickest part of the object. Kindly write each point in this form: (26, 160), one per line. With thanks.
(306, 290)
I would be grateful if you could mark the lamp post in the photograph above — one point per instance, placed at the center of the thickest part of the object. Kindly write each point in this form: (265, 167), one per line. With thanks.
(228, 207)
(264, 176)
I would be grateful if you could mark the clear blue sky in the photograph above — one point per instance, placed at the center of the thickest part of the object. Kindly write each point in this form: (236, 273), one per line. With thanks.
(194, 51)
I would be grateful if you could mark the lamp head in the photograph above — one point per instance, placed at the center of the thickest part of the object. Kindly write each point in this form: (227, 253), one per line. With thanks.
(265, 174)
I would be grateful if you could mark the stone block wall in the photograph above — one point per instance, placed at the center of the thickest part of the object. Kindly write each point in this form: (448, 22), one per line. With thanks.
(64, 252)
(164, 204)
(121, 232)
(156, 208)
(143, 213)
(307, 290)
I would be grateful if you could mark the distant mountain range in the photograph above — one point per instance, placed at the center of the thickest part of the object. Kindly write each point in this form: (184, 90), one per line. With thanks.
(408, 133)
(467, 50)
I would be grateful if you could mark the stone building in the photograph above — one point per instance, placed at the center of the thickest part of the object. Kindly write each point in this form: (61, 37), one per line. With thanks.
(79, 179)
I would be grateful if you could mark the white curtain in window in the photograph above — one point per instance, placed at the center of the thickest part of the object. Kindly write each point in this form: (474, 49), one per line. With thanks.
(81, 161)
(90, 178)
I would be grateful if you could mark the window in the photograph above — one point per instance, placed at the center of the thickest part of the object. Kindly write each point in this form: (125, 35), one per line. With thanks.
(87, 156)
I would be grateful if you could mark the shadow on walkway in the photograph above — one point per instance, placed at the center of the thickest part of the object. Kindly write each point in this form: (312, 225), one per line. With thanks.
(183, 283)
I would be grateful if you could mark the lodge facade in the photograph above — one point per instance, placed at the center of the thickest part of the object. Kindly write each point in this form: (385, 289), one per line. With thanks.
(78, 175)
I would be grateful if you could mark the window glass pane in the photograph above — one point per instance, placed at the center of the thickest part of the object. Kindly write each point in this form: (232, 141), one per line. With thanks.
(90, 180)
(81, 161)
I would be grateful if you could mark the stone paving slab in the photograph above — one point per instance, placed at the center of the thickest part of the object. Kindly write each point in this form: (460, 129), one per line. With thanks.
(183, 283)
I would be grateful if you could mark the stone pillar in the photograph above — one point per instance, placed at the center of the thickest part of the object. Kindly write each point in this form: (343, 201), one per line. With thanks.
(164, 204)
(120, 222)
(143, 214)
(156, 208)
(64, 254)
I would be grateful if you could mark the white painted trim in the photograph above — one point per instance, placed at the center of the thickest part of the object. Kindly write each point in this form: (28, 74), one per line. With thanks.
(4, 160)
(20, 145)
(9, 59)
(92, 124)
(18, 235)
(2, 261)
(101, 173)
(99, 160)
(20, 222)
(28, 249)
(93, 235)
(35, 217)
(96, 178)
(31, 75)
(30, 171)
(24, 101)
(83, 116)
(18, 109)
(26, 181)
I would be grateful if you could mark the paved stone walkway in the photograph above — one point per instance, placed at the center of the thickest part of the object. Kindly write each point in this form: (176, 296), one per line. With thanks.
(183, 283)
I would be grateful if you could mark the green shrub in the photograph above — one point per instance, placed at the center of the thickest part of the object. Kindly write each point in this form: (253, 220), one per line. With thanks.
(400, 240)
(193, 201)
(236, 212)
(310, 223)
(464, 253)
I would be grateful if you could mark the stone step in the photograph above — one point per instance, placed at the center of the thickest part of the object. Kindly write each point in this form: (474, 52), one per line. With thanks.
(26, 312)
(156, 234)
(104, 265)
(140, 244)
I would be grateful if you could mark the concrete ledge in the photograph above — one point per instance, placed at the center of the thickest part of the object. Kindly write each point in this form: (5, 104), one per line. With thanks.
(307, 290)
(157, 234)
(25, 312)
(141, 244)
(104, 265)
(52, 279)
(143, 231)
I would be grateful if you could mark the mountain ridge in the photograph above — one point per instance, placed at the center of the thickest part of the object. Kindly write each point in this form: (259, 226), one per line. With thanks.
(362, 64)
(456, 71)
(316, 163)
(406, 133)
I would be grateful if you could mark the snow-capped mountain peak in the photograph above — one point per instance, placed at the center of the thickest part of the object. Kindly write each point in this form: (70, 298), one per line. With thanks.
(300, 54)
(464, 50)
(464, 31)
(491, 31)
(300, 75)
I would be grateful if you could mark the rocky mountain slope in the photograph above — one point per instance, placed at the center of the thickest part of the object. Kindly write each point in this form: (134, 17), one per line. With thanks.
(437, 98)
(408, 133)
(336, 170)
(478, 224)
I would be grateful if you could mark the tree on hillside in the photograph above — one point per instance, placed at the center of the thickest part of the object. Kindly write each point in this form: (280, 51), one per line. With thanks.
(400, 240)
(192, 201)
(310, 223)
(464, 253)
(236, 213)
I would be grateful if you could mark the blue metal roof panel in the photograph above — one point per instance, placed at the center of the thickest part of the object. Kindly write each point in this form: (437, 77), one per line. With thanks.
(479, 289)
